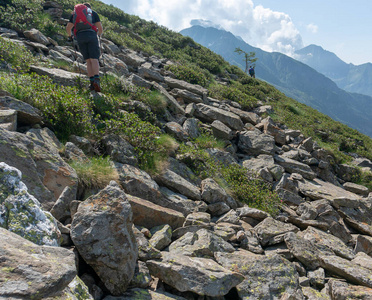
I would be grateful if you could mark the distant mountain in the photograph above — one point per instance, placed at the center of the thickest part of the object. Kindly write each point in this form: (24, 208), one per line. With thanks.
(349, 77)
(296, 79)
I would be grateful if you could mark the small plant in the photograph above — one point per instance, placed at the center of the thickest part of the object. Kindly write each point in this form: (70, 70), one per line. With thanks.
(190, 73)
(17, 56)
(95, 173)
(205, 141)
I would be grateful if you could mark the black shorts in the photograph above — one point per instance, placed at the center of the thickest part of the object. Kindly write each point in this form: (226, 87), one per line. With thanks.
(88, 44)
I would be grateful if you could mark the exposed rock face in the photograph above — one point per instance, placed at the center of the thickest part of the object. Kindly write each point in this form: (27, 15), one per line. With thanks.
(21, 213)
(102, 232)
(29, 271)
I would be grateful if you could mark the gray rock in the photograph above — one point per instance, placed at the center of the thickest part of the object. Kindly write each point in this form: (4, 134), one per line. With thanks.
(36, 36)
(145, 294)
(119, 149)
(342, 290)
(137, 182)
(247, 117)
(187, 96)
(145, 250)
(203, 243)
(172, 103)
(363, 260)
(196, 89)
(148, 214)
(222, 131)
(61, 209)
(221, 156)
(199, 275)
(57, 75)
(317, 278)
(150, 74)
(132, 59)
(75, 290)
(256, 143)
(177, 183)
(252, 213)
(198, 218)
(29, 271)
(313, 294)
(303, 250)
(73, 152)
(218, 208)
(359, 218)
(346, 269)
(191, 127)
(161, 237)
(364, 244)
(176, 130)
(44, 172)
(139, 81)
(8, 119)
(211, 192)
(115, 65)
(293, 166)
(264, 275)
(102, 232)
(26, 114)
(21, 213)
(209, 114)
(323, 240)
(230, 217)
(142, 277)
(356, 188)
(271, 231)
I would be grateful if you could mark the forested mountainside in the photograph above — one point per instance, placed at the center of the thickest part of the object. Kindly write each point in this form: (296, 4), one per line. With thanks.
(183, 179)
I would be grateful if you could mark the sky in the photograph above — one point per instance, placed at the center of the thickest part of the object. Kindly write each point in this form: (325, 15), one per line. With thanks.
(341, 26)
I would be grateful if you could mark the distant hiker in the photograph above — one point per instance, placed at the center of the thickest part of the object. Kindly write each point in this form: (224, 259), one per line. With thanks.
(86, 25)
(251, 72)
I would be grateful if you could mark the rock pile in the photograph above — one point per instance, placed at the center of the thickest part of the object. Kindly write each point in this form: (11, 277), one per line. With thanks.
(174, 236)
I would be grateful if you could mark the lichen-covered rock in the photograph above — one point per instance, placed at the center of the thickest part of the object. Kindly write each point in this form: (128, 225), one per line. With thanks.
(45, 173)
(199, 275)
(76, 290)
(102, 233)
(341, 290)
(271, 231)
(29, 271)
(202, 243)
(21, 213)
(264, 275)
(162, 236)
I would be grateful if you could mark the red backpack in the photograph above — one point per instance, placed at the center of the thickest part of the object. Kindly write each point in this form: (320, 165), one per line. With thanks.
(82, 18)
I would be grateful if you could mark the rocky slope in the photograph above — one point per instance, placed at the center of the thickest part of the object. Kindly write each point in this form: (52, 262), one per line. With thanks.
(174, 236)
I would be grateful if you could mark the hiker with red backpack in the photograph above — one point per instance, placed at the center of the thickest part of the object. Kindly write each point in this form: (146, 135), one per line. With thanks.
(86, 25)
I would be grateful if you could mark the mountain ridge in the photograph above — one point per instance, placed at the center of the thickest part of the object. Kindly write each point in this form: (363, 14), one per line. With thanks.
(292, 77)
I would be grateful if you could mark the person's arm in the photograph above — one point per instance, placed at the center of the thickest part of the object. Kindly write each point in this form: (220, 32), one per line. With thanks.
(99, 27)
(69, 27)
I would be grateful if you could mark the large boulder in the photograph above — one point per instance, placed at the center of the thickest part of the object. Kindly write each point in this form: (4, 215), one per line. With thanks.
(102, 233)
(342, 290)
(29, 271)
(21, 213)
(255, 143)
(45, 173)
(199, 275)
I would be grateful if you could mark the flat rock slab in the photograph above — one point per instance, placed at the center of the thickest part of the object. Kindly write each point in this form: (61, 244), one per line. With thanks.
(199, 275)
(58, 76)
(264, 275)
(342, 290)
(148, 214)
(29, 271)
(318, 189)
(346, 269)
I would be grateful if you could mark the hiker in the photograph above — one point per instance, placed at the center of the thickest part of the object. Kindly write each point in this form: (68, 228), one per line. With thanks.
(86, 25)
(251, 72)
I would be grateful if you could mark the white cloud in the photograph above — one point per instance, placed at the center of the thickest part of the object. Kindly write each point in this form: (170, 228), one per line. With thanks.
(258, 26)
(312, 28)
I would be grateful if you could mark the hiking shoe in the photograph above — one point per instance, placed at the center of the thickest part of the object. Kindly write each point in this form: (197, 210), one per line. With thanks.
(97, 85)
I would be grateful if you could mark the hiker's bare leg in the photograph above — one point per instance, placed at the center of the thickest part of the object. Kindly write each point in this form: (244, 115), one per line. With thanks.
(92, 67)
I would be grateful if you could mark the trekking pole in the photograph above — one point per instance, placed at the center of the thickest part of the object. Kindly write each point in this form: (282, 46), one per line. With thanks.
(103, 58)
(74, 43)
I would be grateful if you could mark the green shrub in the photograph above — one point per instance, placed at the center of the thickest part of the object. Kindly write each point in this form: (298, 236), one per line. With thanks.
(17, 56)
(233, 93)
(191, 74)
